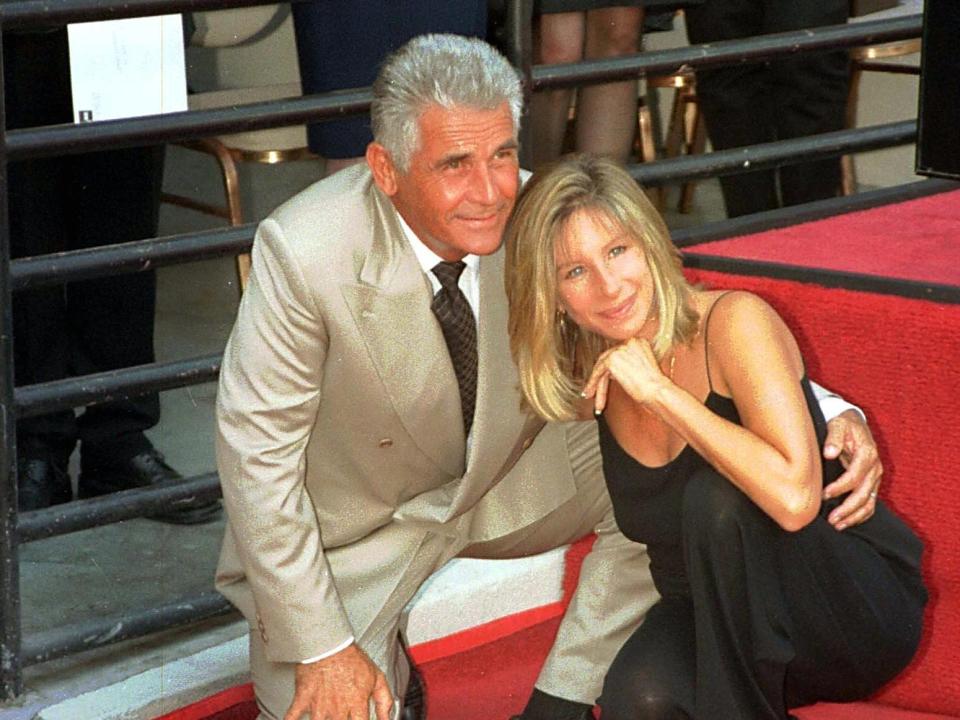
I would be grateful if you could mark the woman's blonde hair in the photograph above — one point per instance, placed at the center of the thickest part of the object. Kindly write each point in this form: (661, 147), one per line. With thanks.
(553, 355)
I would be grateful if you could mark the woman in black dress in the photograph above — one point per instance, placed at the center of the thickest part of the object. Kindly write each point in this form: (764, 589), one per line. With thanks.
(709, 431)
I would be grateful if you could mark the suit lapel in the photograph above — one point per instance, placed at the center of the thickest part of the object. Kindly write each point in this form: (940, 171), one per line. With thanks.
(391, 308)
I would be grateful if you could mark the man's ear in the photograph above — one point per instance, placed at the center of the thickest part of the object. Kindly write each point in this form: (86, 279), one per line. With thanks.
(382, 167)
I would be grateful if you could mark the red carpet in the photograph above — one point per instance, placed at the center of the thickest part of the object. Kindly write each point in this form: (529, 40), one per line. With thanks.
(898, 358)
(914, 240)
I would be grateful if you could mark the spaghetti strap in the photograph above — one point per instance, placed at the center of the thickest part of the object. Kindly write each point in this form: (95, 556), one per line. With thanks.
(706, 338)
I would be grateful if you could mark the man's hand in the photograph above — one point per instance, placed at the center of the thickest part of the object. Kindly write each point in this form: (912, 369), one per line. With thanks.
(849, 438)
(340, 687)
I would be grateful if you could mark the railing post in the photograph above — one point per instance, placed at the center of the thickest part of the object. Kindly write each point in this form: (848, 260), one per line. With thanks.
(519, 48)
(11, 666)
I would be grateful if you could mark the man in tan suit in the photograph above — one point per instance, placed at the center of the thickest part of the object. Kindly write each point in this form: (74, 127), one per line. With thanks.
(350, 472)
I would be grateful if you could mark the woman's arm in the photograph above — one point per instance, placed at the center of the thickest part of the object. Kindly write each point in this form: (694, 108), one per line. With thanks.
(773, 457)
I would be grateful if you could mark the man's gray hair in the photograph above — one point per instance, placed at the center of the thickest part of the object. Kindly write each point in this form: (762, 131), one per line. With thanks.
(444, 70)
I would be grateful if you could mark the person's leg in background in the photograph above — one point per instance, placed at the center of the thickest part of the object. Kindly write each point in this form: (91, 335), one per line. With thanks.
(341, 45)
(115, 197)
(41, 336)
(735, 100)
(39, 226)
(607, 114)
(70, 203)
(811, 96)
(749, 104)
(558, 38)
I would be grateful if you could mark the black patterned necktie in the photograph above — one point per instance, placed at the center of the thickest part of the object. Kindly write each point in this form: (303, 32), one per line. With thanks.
(460, 332)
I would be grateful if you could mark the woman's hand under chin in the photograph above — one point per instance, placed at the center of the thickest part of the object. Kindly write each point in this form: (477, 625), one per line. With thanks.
(635, 368)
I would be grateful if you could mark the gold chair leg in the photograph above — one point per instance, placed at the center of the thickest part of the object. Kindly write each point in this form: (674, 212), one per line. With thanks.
(695, 141)
(673, 142)
(673, 145)
(233, 212)
(243, 270)
(231, 184)
(646, 146)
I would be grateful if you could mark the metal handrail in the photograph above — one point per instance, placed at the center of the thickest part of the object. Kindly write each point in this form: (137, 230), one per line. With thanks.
(100, 632)
(150, 129)
(139, 255)
(120, 384)
(123, 505)
(130, 257)
(727, 52)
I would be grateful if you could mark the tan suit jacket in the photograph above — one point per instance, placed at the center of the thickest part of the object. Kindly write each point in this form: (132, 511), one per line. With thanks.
(340, 445)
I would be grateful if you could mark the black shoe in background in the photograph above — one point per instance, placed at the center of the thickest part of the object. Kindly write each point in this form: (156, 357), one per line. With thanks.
(42, 481)
(103, 475)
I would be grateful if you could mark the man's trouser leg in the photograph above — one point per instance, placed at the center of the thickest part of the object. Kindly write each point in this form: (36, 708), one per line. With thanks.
(615, 588)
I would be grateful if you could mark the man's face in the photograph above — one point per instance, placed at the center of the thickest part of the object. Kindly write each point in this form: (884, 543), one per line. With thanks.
(462, 182)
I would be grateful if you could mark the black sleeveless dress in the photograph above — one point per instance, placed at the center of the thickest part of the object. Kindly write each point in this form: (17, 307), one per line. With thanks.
(754, 619)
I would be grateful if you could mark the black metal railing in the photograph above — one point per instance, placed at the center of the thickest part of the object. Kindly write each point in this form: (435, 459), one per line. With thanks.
(17, 652)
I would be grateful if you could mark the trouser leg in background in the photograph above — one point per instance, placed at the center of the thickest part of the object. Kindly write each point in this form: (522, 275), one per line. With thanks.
(69, 203)
(811, 92)
(39, 225)
(116, 197)
(734, 100)
(767, 101)
(342, 43)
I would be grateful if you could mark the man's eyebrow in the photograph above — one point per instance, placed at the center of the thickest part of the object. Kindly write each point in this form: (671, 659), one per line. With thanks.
(511, 144)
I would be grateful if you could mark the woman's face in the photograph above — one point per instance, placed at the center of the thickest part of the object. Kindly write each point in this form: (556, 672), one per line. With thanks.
(603, 279)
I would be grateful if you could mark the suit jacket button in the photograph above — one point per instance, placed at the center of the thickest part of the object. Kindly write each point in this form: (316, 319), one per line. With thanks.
(385, 443)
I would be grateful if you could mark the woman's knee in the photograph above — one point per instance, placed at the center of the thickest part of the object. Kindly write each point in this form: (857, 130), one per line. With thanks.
(714, 510)
(560, 38)
(613, 32)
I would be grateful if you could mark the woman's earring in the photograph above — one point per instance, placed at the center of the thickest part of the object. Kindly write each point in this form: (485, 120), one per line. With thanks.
(561, 319)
